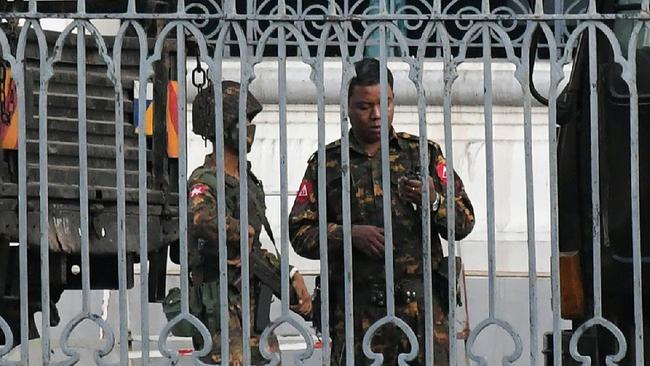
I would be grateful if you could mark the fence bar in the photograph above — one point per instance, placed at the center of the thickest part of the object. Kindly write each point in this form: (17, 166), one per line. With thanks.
(347, 220)
(244, 248)
(426, 214)
(44, 212)
(22, 181)
(595, 171)
(120, 184)
(322, 203)
(284, 209)
(489, 164)
(244, 218)
(83, 168)
(530, 209)
(385, 173)
(143, 209)
(635, 195)
(450, 69)
(182, 163)
(221, 206)
(555, 77)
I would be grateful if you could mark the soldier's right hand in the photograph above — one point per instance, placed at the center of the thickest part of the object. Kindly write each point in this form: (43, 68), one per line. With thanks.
(368, 239)
(251, 237)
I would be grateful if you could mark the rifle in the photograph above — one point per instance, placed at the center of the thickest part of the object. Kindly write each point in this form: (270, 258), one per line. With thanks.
(270, 283)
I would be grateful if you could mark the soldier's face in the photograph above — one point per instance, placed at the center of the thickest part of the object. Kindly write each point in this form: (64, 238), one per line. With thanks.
(364, 109)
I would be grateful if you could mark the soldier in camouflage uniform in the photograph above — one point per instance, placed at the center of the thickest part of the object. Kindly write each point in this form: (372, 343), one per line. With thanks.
(367, 228)
(204, 233)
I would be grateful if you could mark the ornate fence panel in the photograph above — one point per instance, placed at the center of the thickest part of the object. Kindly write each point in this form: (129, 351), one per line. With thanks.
(415, 33)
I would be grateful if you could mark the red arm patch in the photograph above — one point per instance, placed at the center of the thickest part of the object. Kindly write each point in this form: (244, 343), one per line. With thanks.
(198, 190)
(305, 191)
(441, 170)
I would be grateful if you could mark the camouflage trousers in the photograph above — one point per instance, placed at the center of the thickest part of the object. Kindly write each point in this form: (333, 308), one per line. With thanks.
(210, 316)
(389, 340)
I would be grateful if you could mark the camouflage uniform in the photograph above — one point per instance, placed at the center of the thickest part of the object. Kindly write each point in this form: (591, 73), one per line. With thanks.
(204, 247)
(204, 258)
(368, 273)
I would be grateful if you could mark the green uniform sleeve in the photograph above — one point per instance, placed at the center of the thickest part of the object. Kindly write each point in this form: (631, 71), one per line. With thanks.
(204, 222)
(464, 220)
(274, 261)
(303, 220)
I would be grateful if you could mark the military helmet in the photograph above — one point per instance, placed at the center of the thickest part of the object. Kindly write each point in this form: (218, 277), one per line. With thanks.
(203, 110)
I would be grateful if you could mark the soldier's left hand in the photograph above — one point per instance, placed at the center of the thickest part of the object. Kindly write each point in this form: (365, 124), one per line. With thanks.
(411, 190)
(303, 307)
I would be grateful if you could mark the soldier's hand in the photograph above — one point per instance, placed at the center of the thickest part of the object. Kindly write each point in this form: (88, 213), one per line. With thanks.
(251, 237)
(411, 190)
(304, 305)
(369, 239)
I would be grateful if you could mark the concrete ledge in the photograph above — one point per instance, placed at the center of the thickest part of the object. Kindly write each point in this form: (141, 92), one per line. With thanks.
(467, 89)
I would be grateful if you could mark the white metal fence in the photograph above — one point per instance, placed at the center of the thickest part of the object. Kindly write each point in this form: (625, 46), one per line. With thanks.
(451, 32)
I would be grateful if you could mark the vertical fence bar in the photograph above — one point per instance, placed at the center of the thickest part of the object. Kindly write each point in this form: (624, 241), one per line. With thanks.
(143, 210)
(385, 171)
(426, 220)
(635, 201)
(347, 223)
(221, 204)
(121, 200)
(250, 26)
(83, 168)
(244, 248)
(130, 7)
(530, 206)
(553, 201)
(22, 182)
(44, 214)
(182, 163)
(595, 169)
(322, 199)
(322, 204)
(284, 209)
(489, 163)
(450, 191)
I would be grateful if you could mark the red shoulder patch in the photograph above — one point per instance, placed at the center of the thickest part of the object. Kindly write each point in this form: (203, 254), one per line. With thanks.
(305, 190)
(441, 170)
(198, 190)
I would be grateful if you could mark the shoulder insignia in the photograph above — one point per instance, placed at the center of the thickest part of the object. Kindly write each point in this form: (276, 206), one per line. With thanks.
(305, 191)
(198, 189)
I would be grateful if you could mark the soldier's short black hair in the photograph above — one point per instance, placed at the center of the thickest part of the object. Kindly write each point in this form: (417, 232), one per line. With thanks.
(368, 74)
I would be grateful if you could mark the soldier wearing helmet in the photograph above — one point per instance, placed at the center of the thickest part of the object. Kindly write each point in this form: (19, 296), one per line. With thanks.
(203, 227)
(203, 115)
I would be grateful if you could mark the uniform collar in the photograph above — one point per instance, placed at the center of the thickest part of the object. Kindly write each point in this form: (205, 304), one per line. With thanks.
(393, 141)
(210, 162)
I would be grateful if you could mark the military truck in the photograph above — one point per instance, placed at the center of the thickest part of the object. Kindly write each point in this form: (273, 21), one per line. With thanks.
(63, 170)
(575, 189)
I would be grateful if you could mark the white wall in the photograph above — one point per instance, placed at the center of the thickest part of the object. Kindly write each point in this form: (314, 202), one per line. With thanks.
(469, 144)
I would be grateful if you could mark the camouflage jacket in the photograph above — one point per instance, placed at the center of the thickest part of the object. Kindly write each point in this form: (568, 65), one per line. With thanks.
(367, 208)
(204, 220)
